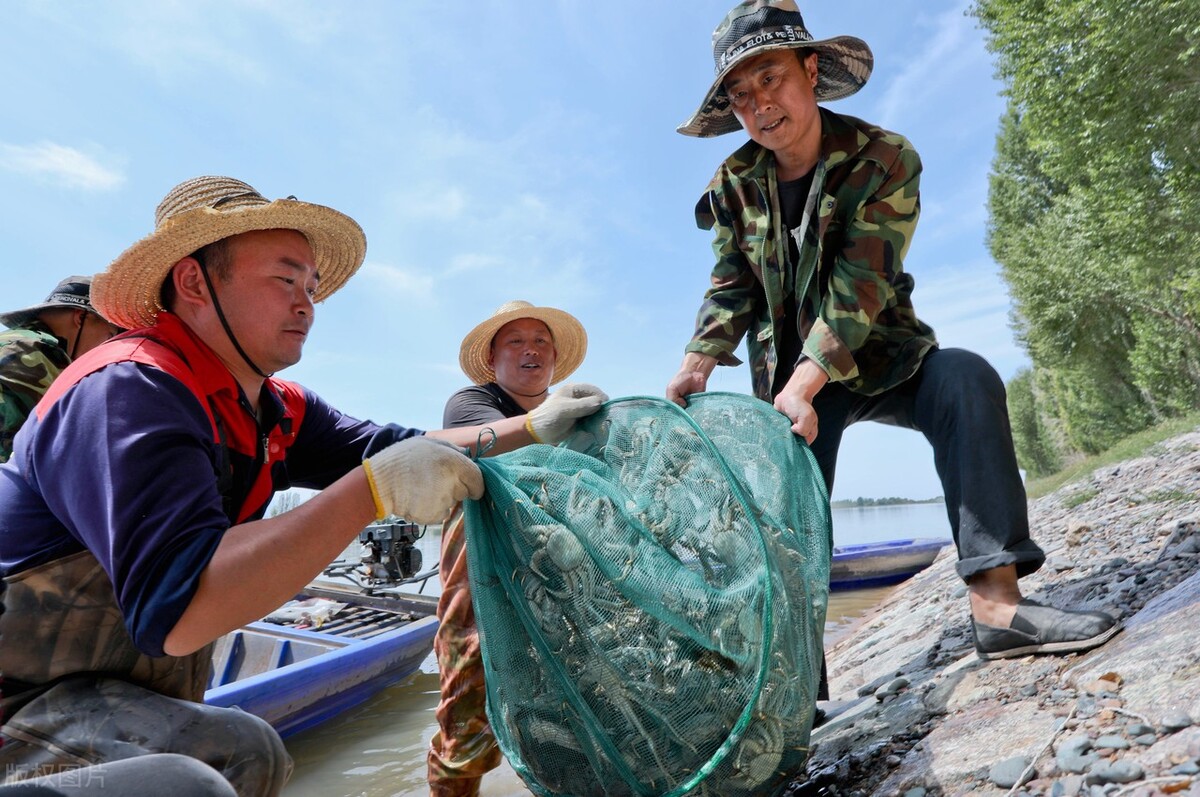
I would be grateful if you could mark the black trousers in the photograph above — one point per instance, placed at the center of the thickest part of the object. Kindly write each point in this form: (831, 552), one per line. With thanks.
(957, 400)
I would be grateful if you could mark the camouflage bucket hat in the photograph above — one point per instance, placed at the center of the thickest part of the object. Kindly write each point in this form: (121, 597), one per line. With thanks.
(70, 294)
(205, 210)
(755, 26)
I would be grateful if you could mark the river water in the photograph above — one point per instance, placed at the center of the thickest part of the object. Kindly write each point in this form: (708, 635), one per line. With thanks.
(378, 749)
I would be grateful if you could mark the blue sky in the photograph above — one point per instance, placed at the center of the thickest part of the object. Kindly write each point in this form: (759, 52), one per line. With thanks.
(491, 151)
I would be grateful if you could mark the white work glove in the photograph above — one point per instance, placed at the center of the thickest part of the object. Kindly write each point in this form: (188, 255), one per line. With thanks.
(421, 479)
(552, 420)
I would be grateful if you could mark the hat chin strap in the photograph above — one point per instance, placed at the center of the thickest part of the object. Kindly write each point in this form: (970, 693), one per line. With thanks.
(225, 324)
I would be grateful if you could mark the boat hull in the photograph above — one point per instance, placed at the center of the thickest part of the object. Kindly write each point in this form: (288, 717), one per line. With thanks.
(881, 564)
(296, 678)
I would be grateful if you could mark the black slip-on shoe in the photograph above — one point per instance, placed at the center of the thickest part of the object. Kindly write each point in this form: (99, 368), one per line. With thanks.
(1043, 629)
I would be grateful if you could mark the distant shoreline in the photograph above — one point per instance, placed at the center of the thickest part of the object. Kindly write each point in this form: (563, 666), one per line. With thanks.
(856, 503)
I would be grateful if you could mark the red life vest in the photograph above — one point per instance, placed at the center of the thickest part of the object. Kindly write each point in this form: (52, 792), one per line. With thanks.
(173, 348)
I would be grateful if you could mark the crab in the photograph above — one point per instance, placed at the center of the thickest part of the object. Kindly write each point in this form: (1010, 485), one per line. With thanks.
(758, 754)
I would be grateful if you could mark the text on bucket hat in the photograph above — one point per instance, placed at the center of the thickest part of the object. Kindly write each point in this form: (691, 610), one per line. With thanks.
(754, 26)
(205, 210)
(69, 294)
(570, 340)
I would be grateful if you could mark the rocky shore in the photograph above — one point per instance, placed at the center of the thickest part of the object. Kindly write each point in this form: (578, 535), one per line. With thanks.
(916, 713)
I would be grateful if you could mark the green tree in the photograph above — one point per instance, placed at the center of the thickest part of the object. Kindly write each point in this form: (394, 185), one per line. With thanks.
(1095, 209)
(1036, 451)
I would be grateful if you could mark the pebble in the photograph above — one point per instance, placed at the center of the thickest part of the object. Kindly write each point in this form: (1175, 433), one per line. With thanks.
(1070, 786)
(1007, 773)
(893, 687)
(1116, 772)
(1111, 741)
(1073, 755)
(1176, 721)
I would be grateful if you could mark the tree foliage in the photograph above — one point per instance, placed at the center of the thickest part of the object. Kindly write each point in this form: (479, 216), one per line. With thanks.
(1095, 213)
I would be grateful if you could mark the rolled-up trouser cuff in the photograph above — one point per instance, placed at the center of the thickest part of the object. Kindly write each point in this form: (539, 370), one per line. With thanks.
(1025, 554)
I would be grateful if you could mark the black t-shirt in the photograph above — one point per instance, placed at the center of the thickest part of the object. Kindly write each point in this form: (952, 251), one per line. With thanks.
(479, 404)
(793, 195)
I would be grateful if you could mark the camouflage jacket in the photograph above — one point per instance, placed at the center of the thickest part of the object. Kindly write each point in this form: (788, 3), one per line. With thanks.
(30, 360)
(852, 295)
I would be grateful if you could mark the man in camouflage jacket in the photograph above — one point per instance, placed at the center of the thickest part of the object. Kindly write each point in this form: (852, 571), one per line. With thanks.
(43, 340)
(812, 219)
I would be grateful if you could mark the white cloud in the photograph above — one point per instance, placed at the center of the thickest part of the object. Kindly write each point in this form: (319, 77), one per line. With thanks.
(472, 263)
(952, 50)
(178, 41)
(430, 202)
(62, 164)
(963, 213)
(968, 306)
(411, 283)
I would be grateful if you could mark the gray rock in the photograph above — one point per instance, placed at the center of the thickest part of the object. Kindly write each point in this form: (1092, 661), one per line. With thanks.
(1186, 768)
(1117, 772)
(1073, 755)
(893, 687)
(1111, 741)
(1007, 773)
(1176, 721)
(919, 791)
(1146, 739)
(1069, 786)
(1138, 729)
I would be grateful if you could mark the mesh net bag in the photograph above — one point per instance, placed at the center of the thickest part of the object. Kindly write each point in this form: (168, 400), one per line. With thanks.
(650, 597)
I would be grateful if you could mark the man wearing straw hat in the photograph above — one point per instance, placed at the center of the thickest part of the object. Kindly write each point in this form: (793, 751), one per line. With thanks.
(41, 341)
(812, 218)
(512, 358)
(132, 530)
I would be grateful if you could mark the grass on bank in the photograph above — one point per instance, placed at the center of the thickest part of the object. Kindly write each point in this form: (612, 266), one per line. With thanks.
(1129, 448)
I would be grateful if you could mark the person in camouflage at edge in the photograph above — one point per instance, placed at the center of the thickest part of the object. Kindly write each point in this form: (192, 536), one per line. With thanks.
(42, 341)
(512, 358)
(812, 219)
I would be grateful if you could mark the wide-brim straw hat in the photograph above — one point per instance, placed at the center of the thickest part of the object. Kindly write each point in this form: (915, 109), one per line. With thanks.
(753, 27)
(570, 340)
(69, 294)
(205, 210)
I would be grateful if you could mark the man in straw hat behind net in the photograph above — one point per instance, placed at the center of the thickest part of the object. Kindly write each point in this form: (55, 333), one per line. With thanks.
(512, 358)
(132, 530)
(812, 218)
(41, 341)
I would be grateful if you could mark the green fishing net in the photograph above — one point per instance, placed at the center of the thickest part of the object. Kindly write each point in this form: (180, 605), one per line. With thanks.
(650, 597)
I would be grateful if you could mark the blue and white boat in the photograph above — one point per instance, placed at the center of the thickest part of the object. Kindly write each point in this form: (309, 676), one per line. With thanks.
(880, 564)
(335, 646)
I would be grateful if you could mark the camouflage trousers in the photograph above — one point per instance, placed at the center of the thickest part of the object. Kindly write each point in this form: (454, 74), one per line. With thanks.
(90, 719)
(463, 748)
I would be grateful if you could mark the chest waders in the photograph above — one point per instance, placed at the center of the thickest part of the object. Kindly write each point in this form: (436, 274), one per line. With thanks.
(62, 618)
